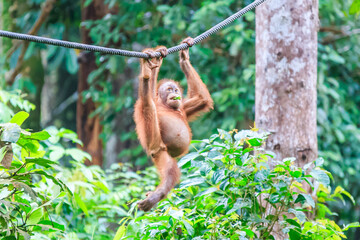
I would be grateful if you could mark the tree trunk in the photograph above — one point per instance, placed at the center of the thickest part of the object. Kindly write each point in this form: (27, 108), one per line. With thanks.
(286, 73)
(88, 128)
(5, 24)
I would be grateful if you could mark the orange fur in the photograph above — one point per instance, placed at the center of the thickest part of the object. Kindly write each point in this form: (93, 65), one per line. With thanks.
(164, 132)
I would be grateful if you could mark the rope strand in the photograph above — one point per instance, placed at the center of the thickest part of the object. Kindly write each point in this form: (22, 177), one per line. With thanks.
(127, 53)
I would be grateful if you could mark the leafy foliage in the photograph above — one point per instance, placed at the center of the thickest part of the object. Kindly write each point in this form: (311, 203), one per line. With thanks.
(230, 192)
(224, 63)
(48, 192)
(338, 100)
(355, 7)
(12, 100)
(24, 201)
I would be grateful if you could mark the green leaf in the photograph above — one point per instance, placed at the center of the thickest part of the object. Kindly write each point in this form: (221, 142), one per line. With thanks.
(351, 225)
(261, 175)
(300, 199)
(218, 176)
(295, 234)
(240, 203)
(205, 169)
(293, 222)
(120, 233)
(24, 234)
(242, 182)
(249, 232)
(43, 135)
(56, 153)
(177, 214)
(319, 162)
(3, 151)
(55, 180)
(40, 161)
(355, 7)
(295, 174)
(274, 198)
(225, 135)
(340, 190)
(206, 192)
(298, 214)
(10, 132)
(163, 8)
(78, 154)
(192, 182)
(9, 238)
(102, 186)
(187, 158)
(81, 204)
(309, 199)
(122, 229)
(238, 161)
(336, 58)
(188, 227)
(224, 184)
(288, 161)
(71, 61)
(87, 3)
(46, 224)
(214, 155)
(255, 142)
(320, 176)
(19, 118)
(34, 217)
(26, 188)
(30, 145)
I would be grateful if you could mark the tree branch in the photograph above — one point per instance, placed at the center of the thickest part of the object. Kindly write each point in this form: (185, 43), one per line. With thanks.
(336, 34)
(45, 12)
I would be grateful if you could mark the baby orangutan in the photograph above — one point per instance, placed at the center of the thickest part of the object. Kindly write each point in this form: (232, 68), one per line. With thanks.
(162, 115)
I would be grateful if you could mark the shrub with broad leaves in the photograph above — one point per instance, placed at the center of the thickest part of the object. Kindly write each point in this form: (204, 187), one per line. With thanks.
(229, 192)
(24, 201)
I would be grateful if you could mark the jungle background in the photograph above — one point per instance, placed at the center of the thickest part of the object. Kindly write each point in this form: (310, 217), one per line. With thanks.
(44, 81)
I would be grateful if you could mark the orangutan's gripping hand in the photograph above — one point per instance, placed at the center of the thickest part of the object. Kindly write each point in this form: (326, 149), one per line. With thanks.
(184, 54)
(153, 62)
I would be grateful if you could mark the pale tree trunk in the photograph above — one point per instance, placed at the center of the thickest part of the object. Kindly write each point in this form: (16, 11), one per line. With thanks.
(286, 75)
(89, 129)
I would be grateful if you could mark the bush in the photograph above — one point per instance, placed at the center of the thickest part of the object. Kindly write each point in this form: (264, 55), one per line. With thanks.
(230, 192)
(28, 185)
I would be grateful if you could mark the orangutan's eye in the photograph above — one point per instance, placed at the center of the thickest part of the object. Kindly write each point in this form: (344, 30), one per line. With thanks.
(177, 90)
(169, 90)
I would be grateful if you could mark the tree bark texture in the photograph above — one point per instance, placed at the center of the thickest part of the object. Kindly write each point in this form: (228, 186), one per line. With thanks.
(286, 75)
(88, 128)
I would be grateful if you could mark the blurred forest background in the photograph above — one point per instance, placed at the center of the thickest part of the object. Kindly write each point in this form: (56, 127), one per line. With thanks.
(102, 89)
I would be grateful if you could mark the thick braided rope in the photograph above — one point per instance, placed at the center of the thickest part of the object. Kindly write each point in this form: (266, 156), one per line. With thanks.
(127, 53)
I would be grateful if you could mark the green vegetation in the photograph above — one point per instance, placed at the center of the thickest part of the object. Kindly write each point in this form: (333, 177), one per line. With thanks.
(227, 185)
(227, 189)
(59, 197)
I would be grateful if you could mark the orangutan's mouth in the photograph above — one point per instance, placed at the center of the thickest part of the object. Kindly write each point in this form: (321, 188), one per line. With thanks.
(176, 98)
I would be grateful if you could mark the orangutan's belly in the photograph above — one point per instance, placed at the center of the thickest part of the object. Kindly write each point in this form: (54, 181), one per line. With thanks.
(175, 135)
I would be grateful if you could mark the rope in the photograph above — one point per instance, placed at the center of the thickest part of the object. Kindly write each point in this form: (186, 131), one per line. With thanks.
(127, 53)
